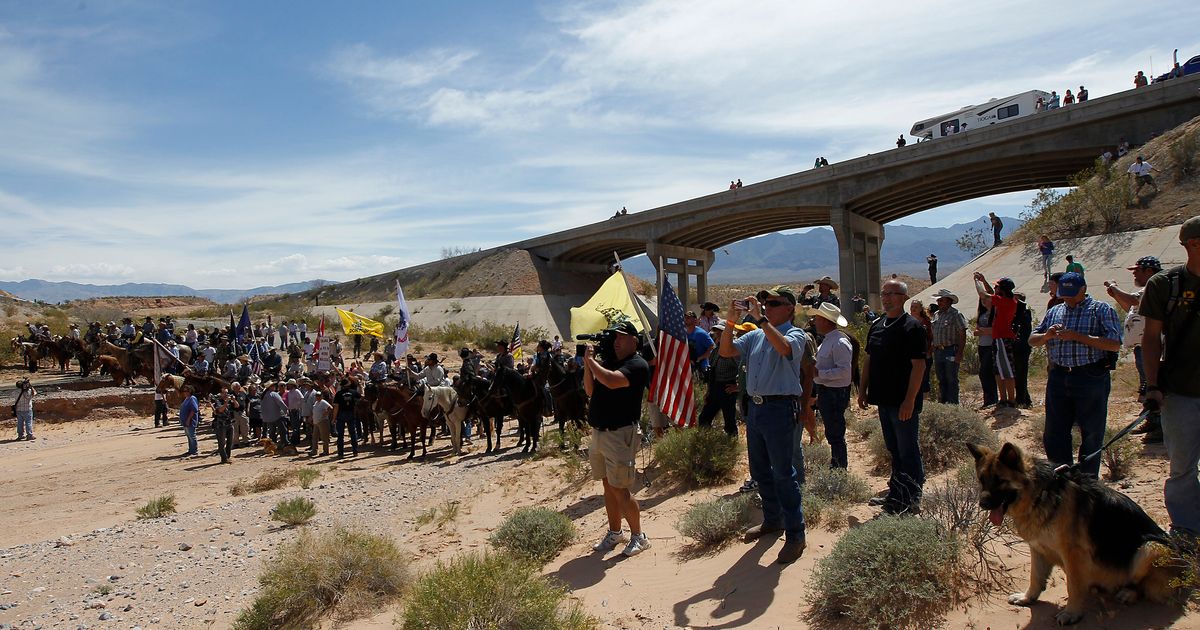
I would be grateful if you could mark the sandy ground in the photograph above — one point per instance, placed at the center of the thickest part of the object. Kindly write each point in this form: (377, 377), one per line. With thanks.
(68, 533)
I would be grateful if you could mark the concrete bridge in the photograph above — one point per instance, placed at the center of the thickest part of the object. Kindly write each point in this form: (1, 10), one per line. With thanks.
(858, 196)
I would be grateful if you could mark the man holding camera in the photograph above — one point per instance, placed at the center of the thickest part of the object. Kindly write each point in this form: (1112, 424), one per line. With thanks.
(615, 386)
(773, 355)
(23, 406)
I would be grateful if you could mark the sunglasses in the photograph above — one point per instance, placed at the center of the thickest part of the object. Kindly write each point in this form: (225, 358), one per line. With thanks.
(774, 303)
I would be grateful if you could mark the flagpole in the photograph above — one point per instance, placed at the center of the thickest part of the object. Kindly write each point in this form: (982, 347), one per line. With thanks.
(637, 305)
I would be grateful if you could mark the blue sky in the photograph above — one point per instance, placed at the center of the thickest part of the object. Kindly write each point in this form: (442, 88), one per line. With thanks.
(235, 144)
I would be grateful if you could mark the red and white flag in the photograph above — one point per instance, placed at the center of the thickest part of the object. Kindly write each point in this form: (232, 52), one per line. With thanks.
(671, 388)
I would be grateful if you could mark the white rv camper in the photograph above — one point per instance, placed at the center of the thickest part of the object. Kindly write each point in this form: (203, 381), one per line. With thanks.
(977, 116)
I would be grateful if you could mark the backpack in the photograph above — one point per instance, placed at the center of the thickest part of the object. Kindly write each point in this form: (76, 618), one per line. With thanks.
(1174, 300)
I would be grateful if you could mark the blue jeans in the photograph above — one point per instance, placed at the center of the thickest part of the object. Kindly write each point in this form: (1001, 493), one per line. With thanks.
(770, 429)
(720, 400)
(24, 424)
(1141, 368)
(1046, 259)
(947, 373)
(908, 471)
(1078, 397)
(190, 431)
(987, 374)
(832, 403)
(1181, 435)
(344, 422)
(277, 431)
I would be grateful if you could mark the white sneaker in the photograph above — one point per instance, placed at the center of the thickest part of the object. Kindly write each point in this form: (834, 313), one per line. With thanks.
(609, 542)
(637, 545)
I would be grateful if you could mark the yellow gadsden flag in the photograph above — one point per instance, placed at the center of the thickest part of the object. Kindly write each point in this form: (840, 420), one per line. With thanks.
(355, 324)
(611, 304)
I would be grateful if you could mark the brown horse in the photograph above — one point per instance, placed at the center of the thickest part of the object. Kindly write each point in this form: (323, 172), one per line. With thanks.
(56, 351)
(115, 369)
(403, 406)
(201, 384)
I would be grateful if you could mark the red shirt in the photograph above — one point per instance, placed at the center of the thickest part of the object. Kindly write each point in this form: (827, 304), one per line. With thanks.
(1006, 311)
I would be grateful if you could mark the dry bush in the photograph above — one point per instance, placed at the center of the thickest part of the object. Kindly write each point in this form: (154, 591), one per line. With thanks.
(944, 431)
(157, 508)
(479, 590)
(700, 456)
(439, 515)
(954, 506)
(837, 485)
(817, 456)
(891, 572)
(1121, 457)
(267, 480)
(294, 511)
(343, 574)
(534, 533)
(711, 523)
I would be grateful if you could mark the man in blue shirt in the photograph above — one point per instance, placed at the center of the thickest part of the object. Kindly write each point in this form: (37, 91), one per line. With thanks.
(700, 343)
(772, 355)
(1078, 334)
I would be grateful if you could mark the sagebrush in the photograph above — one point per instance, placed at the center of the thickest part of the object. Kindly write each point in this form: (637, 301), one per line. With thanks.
(1121, 456)
(341, 573)
(267, 480)
(157, 508)
(715, 521)
(496, 590)
(534, 533)
(943, 432)
(294, 511)
(700, 456)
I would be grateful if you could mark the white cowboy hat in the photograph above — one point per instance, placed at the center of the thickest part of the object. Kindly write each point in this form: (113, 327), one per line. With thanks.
(946, 293)
(827, 280)
(829, 312)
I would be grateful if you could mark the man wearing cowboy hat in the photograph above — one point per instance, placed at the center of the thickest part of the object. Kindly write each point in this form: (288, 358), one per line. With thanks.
(835, 372)
(825, 287)
(949, 341)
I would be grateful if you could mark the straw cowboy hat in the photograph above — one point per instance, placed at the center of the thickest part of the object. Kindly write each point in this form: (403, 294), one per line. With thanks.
(829, 312)
(827, 280)
(946, 293)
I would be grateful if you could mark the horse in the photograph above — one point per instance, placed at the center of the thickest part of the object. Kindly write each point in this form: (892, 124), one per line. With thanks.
(526, 394)
(403, 406)
(114, 368)
(369, 421)
(445, 399)
(202, 384)
(486, 402)
(570, 400)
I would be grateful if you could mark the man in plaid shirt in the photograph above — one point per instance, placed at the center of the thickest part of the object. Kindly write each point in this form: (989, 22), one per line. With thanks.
(1078, 335)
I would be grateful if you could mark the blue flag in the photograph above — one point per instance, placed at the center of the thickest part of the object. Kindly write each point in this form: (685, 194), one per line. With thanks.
(243, 326)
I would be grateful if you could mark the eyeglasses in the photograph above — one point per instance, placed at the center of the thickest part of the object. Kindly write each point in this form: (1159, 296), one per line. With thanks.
(892, 293)
(776, 303)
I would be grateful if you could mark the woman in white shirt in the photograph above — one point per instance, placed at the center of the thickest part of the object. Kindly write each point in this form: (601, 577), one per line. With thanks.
(835, 373)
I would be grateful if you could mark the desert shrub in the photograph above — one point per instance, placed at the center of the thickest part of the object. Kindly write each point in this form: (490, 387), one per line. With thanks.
(700, 456)
(814, 508)
(953, 505)
(294, 511)
(863, 424)
(1119, 458)
(1037, 428)
(534, 533)
(267, 480)
(944, 431)
(340, 573)
(713, 522)
(1183, 155)
(306, 476)
(158, 508)
(491, 591)
(891, 572)
(482, 335)
(439, 515)
(817, 456)
(837, 485)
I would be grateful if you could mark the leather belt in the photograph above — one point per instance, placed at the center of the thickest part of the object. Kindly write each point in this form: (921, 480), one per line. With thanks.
(1097, 365)
(758, 400)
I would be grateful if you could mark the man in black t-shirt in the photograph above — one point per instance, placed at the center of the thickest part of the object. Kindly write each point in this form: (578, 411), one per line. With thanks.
(344, 402)
(891, 379)
(615, 388)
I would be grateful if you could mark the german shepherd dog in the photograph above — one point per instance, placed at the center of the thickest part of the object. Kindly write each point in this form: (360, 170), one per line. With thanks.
(273, 449)
(1099, 537)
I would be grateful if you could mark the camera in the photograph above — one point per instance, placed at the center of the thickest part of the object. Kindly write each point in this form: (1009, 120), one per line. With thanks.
(604, 341)
(742, 305)
(23, 383)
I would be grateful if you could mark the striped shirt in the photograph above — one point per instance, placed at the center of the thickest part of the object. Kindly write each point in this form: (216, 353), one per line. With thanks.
(1089, 317)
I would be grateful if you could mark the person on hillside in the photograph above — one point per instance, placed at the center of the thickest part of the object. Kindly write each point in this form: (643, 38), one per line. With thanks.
(1077, 334)
(1004, 311)
(1170, 345)
(949, 342)
(23, 405)
(932, 261)
(1072, 266)
(825, 293)
(997, 225)
(835, 374)
(891, 380)
(1140, 171)
(189, 417)
(1046, 249)
(1142, 271)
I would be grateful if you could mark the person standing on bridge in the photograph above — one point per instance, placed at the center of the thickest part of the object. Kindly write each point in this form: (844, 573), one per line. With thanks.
(1068, 98)
(1081, 95)
(997, 225)
(1139, 80)
(900, 142)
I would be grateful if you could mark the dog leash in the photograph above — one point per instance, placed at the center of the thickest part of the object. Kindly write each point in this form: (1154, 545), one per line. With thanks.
(1149, 408)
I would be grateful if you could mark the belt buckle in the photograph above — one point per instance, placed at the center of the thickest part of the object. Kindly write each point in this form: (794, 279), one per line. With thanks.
(758, 400)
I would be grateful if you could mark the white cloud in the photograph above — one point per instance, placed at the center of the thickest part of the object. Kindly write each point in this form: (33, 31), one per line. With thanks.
(100, 270)
(13, 273)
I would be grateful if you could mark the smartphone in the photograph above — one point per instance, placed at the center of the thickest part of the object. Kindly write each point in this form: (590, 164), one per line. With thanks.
(580, 349)
(741, 304)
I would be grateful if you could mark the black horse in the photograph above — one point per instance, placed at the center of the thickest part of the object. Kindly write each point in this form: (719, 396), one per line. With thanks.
(570, 400)
(527, 400)
(486, 402)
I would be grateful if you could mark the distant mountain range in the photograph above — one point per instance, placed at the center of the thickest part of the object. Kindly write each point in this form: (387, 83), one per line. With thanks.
(810, 255)
(62, 291)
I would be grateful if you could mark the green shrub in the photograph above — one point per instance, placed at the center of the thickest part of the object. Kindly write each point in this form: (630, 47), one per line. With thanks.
(534, 533)
(944, 431)
(891, 572)
(294, 511)
(814, 508)
(1119, 458)
(491, 591)
(837, 485)
(307, 476)
(340, 573)
(157, 508)
(817, 456)
(700, 456)
(713, 522)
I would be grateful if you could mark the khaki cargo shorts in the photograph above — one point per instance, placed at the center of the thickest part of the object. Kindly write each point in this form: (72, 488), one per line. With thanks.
(612, 454)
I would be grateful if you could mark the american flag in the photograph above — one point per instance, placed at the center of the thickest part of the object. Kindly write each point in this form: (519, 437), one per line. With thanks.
(671, 388)
(255, 357)
(514, 346)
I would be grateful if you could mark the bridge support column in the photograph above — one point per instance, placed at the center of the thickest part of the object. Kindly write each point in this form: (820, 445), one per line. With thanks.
(683, 262)
(859, 242)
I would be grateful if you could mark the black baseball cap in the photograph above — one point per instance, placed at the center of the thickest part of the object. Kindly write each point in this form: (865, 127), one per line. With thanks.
(625, 327)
